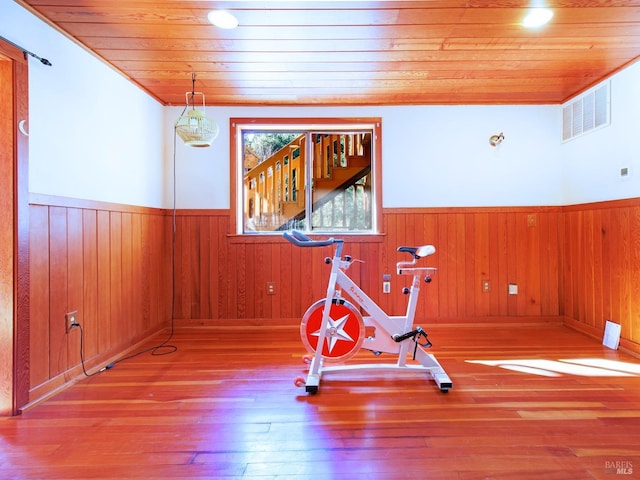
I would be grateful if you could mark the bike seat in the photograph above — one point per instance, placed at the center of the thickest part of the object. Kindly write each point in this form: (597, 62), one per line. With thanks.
(419, 252)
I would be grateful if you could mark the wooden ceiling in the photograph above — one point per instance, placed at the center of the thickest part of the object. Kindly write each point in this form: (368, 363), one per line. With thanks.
(355, 52)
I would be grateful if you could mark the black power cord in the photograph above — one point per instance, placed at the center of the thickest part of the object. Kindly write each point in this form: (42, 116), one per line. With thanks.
(157, 349)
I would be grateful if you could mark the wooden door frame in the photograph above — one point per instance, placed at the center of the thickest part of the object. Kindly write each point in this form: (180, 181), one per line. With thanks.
(14, 375)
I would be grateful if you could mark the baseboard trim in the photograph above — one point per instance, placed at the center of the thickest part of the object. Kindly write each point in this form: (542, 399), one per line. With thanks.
(295, 322)
(64, 380)
(626, 346)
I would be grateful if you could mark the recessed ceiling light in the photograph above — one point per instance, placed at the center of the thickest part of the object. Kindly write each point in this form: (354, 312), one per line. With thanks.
(537, 17)
(222, 19)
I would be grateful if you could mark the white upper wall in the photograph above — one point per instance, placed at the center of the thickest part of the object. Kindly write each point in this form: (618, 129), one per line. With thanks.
(92, 133)
(592, 162)
(432, 156)
(438, 156)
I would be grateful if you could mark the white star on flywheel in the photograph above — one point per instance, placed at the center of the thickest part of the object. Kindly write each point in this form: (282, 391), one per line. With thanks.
(335, 331)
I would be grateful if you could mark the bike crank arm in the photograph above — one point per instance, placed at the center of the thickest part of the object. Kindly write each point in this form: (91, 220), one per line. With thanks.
(414, 335)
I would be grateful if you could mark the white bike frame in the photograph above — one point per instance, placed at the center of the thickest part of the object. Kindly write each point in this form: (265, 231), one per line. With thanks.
(387, 328)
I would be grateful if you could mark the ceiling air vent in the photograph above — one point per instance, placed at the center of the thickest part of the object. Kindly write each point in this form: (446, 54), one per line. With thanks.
(586, 112)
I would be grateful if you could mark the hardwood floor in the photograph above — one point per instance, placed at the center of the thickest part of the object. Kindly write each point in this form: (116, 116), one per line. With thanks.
(527, 402)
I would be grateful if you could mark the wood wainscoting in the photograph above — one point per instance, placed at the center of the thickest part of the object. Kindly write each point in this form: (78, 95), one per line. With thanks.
(579, 265)
(111, 263)
(226, 277)
(601, 268)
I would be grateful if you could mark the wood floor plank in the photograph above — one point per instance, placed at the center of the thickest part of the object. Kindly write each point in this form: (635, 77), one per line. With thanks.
(528, 402)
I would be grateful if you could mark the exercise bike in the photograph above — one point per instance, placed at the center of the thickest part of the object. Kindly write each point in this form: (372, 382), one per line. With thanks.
(333, 330)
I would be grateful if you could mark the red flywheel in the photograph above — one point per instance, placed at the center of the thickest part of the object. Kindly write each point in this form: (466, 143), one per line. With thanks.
(344, 332)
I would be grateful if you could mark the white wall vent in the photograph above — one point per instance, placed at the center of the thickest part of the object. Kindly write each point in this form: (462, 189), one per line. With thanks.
(586, 112)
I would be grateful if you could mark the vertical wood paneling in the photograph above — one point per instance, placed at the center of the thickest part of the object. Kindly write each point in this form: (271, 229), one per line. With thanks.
(392, 304)
(469, 272)
(254, 295)
(225, 269)
(274, 301)
(459, 266)
(287, 277)
(512, 266)
(431, 293)
(634, 277)
(580, 262)
(90, 290)
(183, 251)
(625, 272)
(116, 325)
(158, 254)
(124, 322)
(521, 266)
(571, 272)
(551, 255)
(596, 239)
(602, 266)
(446, 296)
(111, 266)
(562, 261)
(194, 266)
(532, 285)
(39, 300)
(481, 265)
(617, 280)
(544, 261)
(104, 279)
(74, 282)
(213, 273)
(494, 264)
(607, 279)
(500, 250)
(58, 290)
(589, 269)
(471, 244)
(139, 267)
(135, 268)
(204, 270)
(239, 268)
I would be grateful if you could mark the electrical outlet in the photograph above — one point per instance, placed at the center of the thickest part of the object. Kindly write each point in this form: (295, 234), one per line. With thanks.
(386, 283)
(271, 288)
(71, 320)
(513, 289)
(486, 286)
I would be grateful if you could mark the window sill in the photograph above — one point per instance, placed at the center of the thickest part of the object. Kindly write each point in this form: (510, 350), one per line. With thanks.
(277, 237)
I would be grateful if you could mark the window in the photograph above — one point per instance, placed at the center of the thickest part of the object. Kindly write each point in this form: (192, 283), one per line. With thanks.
(323, 175)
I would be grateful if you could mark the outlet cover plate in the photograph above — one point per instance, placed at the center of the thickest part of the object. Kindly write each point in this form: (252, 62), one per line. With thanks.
(71, 320)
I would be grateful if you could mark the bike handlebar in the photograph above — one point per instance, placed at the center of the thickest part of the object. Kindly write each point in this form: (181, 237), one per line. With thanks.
(301, 240)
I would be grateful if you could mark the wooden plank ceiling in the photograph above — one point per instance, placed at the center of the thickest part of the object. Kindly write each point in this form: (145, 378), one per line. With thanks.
(355, 52)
